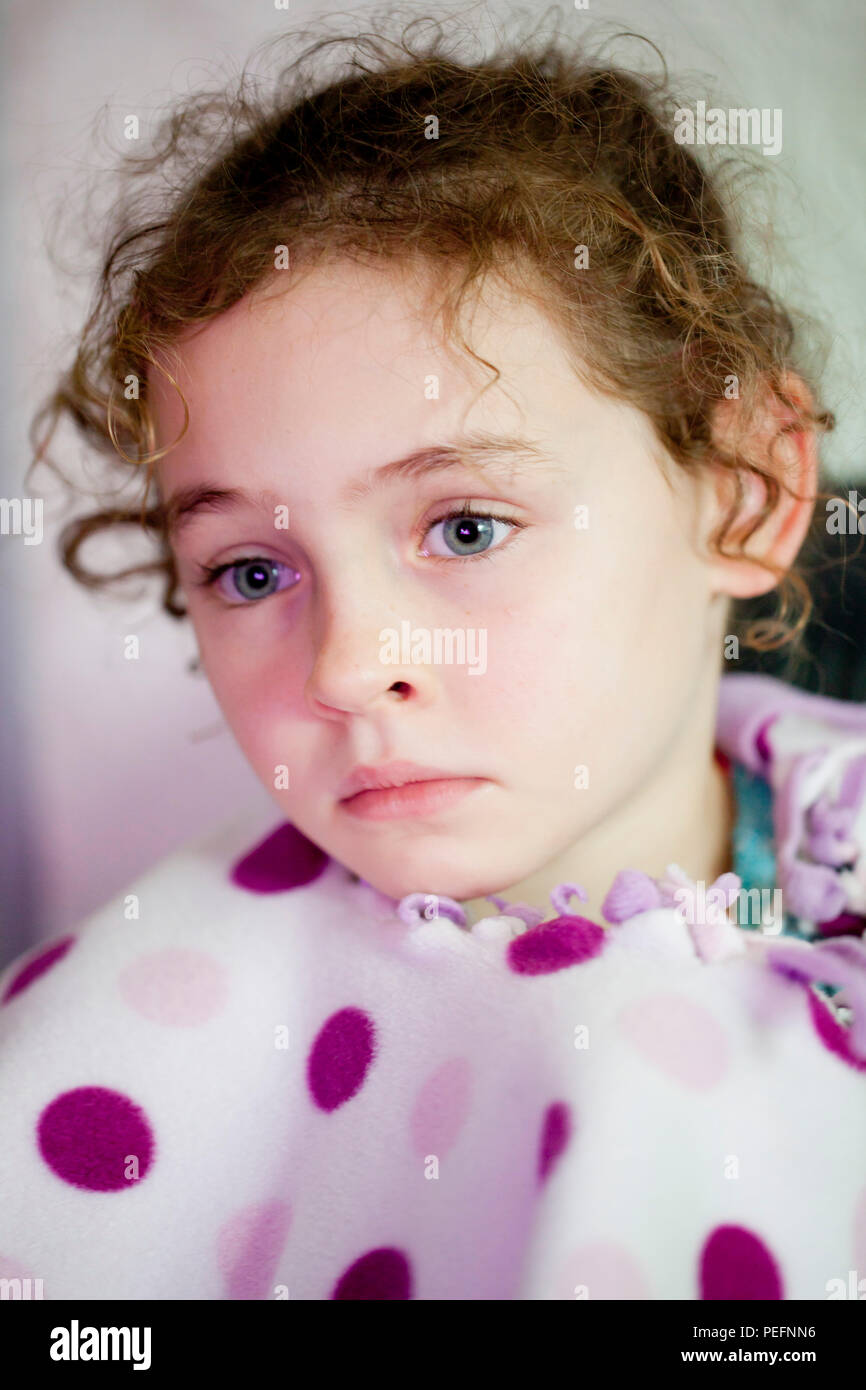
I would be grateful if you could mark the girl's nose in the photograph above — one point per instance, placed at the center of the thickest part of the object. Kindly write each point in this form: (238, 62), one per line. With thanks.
(354, 663)
(352, 689)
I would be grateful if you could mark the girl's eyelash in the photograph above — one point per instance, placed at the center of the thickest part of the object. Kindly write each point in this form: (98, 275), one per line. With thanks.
(209, 574)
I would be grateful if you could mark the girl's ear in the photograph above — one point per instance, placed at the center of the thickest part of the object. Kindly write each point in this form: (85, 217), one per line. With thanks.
(774, 438)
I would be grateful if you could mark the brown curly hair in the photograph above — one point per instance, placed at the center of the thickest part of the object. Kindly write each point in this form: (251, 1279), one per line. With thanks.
(540, 150)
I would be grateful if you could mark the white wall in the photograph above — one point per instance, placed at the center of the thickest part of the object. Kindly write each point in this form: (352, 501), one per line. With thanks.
(108, 763)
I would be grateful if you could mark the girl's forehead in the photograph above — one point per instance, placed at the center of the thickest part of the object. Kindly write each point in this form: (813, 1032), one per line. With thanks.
(348, 344)
(341, 374)
(360, 313)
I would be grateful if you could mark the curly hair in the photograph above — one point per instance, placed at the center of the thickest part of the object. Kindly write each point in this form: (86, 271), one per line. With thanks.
(515, 164)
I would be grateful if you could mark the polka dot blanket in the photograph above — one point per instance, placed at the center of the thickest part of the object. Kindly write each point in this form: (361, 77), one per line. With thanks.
(253, 1076)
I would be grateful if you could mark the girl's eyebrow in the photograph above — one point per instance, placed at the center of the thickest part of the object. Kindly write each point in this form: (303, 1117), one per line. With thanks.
(487, 454)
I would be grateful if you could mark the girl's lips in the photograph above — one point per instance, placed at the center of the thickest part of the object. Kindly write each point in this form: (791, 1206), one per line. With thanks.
(412, 799)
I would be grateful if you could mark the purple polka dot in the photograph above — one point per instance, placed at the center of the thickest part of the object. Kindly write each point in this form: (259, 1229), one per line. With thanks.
(833, 1034)
(383, 1273)
(846, 924)
(736, 1264)
(90, 1136)
(555, 945)
(555, 1134)
(286, 859)
(761, 741)
(339, 1057)
(48, 956)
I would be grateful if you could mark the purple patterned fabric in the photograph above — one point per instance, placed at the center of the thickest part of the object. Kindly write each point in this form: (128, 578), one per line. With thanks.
(804, 745)
(749, 702)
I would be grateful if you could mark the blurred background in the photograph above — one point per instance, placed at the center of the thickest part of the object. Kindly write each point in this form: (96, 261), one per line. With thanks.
(109, 764)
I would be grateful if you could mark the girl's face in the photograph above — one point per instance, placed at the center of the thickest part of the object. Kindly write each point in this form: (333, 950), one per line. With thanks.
(581, 624)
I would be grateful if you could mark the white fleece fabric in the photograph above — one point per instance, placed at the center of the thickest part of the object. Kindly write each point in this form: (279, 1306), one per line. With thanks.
(251, 1077)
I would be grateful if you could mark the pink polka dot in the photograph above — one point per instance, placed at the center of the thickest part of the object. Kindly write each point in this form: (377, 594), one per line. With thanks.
(340, 1057)
(441, 1107)
(175, 986)
(555, 945)
(88, 1137)
(37, 965)
(249, 1245)
(384, 1273)
(555, 1134)
(735, 1263)
(11, 1269)
(286, 859)
(835, 1036)
(602, 1270)
(680, 1037)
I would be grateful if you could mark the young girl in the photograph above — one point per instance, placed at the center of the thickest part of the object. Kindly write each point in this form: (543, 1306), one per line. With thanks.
(462, 425)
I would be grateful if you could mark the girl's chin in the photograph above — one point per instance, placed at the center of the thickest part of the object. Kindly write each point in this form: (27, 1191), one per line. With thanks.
(428, 881)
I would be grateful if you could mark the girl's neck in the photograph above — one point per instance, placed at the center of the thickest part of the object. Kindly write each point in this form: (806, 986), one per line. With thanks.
(685, 820)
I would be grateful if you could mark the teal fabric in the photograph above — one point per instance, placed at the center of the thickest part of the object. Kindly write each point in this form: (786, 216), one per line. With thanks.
(754, 854)
(754, 858)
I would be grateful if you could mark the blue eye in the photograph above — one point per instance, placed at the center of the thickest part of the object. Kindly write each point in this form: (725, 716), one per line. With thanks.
(468, 533)
(249, 579)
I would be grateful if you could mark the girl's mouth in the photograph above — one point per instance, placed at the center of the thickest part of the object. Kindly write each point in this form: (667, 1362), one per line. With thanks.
(411, 799)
